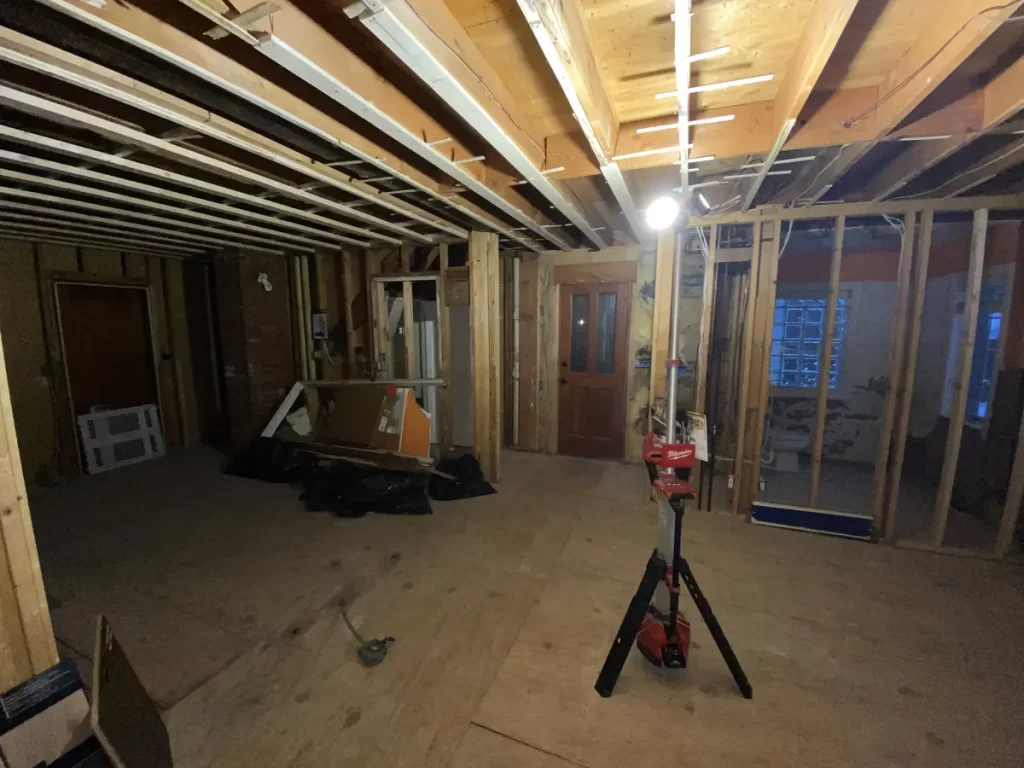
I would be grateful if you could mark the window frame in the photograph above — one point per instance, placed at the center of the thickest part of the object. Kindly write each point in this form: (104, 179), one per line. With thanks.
(840, 390)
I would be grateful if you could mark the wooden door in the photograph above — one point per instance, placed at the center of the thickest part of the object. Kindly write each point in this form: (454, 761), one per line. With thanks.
(592, 365)
(108, 349)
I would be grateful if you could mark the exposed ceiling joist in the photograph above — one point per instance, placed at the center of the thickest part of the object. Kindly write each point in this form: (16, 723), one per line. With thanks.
(1001, 99)
(59, 220)
(86, 237)
(185, 209)
(163, 175)
(475, 94)
(982, 171)
(139, 29)
(818, 42)
(561, 32)
(25, 52)
(946, 40)
(349, 81)
(32, 236)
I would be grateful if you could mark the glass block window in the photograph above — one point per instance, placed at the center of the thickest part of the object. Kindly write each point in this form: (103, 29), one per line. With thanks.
(797, 334)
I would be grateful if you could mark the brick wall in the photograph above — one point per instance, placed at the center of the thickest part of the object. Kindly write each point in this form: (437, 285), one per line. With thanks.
(256, 339)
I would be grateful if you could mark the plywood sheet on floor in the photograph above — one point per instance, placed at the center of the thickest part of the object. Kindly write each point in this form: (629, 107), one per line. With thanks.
(851, 649)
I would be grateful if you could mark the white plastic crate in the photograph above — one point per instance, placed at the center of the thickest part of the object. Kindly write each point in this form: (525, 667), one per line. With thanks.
(118, 438)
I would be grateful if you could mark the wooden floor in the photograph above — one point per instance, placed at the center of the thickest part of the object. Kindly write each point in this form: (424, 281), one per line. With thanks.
(503, 608)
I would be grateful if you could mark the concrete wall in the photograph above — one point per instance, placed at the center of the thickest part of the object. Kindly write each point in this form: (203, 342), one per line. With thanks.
(32, 346)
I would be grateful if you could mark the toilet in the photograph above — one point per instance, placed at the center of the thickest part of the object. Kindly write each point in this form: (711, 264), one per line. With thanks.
(784, 445)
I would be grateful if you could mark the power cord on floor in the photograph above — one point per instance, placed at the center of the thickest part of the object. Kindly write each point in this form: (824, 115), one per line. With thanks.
(371, 652)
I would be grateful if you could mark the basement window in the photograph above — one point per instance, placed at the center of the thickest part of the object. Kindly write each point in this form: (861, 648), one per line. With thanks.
(797, 334)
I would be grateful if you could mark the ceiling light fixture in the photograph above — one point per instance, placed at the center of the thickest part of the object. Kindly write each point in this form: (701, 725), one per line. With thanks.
(662, 213)
(718, 86)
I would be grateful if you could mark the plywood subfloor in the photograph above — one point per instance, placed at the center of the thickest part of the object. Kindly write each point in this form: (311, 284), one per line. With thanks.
(503, 608)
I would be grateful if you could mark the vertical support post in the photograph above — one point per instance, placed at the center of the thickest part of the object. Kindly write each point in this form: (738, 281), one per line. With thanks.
(495, 366)
(349, 278)
(444, 394)
(516, 369)
(739, 462)
(961, 383)
(307, 317)
(408, 318)
(27, 645)
(1014, 496)
(898, 342)
(486, 369)
(761, 359)
(707, 315)
(660, 317)
(924, 247)
(300, 313)
(825, 359)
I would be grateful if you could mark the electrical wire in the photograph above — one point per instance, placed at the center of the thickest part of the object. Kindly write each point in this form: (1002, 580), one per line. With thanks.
(818, 175)
(849, 123)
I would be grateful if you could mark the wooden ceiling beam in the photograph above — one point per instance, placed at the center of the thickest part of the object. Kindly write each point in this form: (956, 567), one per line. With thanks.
(818, 41)
(982, 171)
(427, 38)
(1000, 100)
(751, 132)
(945, 42)
(141, 30)
(561, 33)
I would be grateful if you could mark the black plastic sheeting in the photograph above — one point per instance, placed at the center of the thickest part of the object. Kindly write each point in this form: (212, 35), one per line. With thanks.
(468, 483)
(352, 490)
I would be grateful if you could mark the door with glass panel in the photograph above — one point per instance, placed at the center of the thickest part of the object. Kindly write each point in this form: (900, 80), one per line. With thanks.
(592, 368)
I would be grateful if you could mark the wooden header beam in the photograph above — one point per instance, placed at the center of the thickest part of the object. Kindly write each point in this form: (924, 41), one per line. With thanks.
(946, 41)
(817, 43)
(832, 210)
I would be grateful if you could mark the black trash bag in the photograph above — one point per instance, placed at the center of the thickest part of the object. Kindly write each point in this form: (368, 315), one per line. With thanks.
(272, 461)
(468, 483)
(349, 490)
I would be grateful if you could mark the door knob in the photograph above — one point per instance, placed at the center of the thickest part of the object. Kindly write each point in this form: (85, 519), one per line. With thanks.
(565, 381)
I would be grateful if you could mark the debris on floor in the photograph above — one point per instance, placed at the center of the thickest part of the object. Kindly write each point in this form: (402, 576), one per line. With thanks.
(366, 450)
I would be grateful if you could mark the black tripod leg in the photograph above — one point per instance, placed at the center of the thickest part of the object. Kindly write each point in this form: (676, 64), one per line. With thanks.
(716, 630)
(630, 626)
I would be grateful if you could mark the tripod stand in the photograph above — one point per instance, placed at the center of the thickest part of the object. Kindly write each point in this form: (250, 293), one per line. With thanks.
(661, 632)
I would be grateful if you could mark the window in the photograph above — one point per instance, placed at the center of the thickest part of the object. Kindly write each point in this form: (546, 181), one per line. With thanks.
(986, 348)
(797, 333)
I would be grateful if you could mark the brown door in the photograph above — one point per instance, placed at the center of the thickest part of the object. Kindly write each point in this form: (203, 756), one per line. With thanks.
(592, 368)
(107, 346)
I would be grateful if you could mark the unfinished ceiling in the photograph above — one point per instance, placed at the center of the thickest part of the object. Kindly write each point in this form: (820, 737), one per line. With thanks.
(304, 124)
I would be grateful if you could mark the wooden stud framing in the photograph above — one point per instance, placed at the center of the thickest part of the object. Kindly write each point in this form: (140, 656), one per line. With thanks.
(707, 314)
(485, 342)
(661, 316)
(548, 375)
(897, 344)
(825, 360)
(906, 393)
(744, 372)
(529, 352)
(444, 394)
(958, 410)
(761, 363)
(1014, 497)
(349, 279)
(27, 645)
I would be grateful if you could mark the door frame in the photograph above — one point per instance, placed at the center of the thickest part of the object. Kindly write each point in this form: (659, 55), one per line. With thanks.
(57, 354)
(612, 272)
